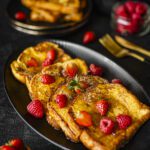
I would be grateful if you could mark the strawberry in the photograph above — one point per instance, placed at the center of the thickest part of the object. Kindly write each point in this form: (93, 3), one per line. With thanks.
(32, 63)
(17, 143)
(121, 11)
(130, 7)
(84, 119)
(51, 54)
(124, 121)
(136, 17)
(89, 37)
(61, 100)
(121, 28)
(47, 79)
(107, 125)
(83, 84)
(77, 90)
(71, 70)
(116, 81)
(21, 16)
(102, 107)
(141, 8)
(96, 70)
(47, 62)
(6, 147)
(35, 108)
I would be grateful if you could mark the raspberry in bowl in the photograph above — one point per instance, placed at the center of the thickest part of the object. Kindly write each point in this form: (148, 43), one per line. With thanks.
(130, 18)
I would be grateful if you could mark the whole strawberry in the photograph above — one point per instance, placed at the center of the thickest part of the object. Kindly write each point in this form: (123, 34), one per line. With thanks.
(6, 147)
(102, 107)
(107, 125)
(35, 108)
(89, 37)
(16, 143)
(96, 70)
(124, 121)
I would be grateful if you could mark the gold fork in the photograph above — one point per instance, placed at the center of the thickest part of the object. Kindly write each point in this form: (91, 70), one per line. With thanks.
(117, 50)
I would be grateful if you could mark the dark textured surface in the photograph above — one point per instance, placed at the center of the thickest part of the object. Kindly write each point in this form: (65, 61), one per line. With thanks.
(11, 125)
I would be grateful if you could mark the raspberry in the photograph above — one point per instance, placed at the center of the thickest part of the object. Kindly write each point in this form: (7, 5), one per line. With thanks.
(61, 100)
(35, 108)
(141, 8)
(47, 62)
(6, 147)
(107, 125)
(121, 11)
(96, 70)
(124, 121)
(89, 37)
(102, 107)
(130, 6)
(47, 79)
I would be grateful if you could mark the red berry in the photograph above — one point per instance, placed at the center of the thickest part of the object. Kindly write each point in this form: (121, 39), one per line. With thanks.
(71, 70)
(102, 107)
(124, 121)
(21, 16)
(47, 62)
(32, 63)
(116, 81)
(133, 27)
(136, 17)
(141, 8)
(83, 84)
(121, 11)
(51, 54)
(107, 125)
(130, 6)
(89, 37)
(96, 70)
(35, 108)
(6, 147)
(17, 143)
(47, 79)
(61, 100)
(121, 28)
(78, 90)
(84, 119)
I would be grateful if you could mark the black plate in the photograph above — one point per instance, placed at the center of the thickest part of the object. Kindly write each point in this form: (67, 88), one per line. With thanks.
(18, 94)
(15, 6)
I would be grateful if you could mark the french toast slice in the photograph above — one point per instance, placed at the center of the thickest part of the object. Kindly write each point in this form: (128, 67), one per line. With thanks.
(43, 92)
(121, 101)
(63, 116)
(21, 70)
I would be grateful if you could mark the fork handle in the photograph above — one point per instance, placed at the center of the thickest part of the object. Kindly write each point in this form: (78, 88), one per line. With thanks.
(142, 59)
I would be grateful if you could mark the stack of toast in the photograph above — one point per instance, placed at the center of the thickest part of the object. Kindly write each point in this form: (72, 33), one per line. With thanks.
(121, 100)
(54, 10)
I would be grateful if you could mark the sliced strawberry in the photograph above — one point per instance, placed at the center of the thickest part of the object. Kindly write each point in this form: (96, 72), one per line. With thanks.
(102, 107)
(61, 100)
(47, 79)
(77, 90)
(21, 16)
(17, 143)
(107, 125)
(116, 81)
(32, 63)
(71, 70)
(47, 62)
(6, 147)
(96, 70)
(35, 108)
(124, 121)
(51, 54)
(84, 119)
(89, 37)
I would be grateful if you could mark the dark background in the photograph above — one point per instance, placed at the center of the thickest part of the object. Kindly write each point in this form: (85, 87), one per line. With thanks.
(10, 124)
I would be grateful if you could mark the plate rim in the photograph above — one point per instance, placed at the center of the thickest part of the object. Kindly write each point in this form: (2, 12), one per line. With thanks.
(60, 42)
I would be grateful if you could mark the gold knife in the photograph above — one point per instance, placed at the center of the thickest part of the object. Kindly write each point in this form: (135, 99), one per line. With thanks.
(131, 46)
